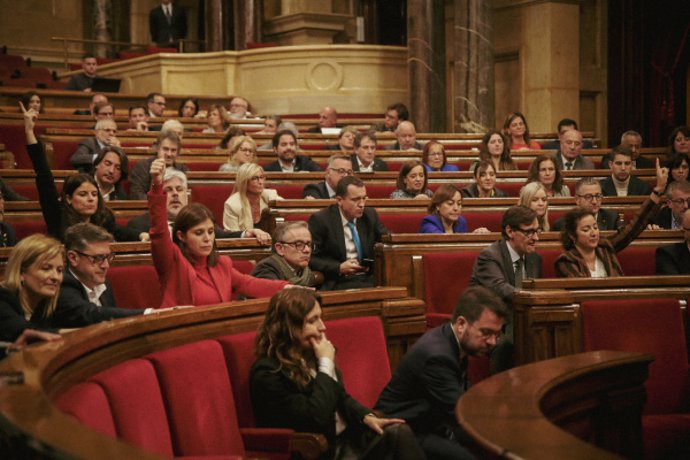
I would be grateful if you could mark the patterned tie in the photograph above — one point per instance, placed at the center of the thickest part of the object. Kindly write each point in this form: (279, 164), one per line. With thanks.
(355, 238)
(518, 272)
(569, 165)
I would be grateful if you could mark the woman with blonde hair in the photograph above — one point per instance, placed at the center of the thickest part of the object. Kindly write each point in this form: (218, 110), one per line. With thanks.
(534, 196)
(243, 209)
(29, 291)
(242, 150)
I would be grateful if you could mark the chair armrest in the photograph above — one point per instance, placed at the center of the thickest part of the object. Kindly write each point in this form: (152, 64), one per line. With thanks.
(267, 439)
(309, 445)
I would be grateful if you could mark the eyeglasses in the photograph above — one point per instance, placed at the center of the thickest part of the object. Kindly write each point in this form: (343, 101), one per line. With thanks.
(300, 245)
(99, 259)
(257, 178)
(680, 201)
(342, 171)
(246, 150)
(159, 103)
(529, 232)
(591, 197)
(435, 154)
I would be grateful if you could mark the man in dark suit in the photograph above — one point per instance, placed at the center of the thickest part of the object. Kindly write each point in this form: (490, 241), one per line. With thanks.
(432, 375)
(344, 235)
(674, 259)
(105, 134)
(86, 296)
(285, 147)
(328, 118)
(564, 125)
(111, 167)
(167, 24)
(503, 265)
(569, 155)
(339, 166)
(588, 196)
(622, 182)
(364, 159)
(633, 141)
(678, 201)
(406, 136)
(395, 113)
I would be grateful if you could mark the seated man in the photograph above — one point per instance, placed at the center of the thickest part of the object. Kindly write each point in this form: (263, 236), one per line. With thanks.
(103, 111)
(432, 375)
(344, 235)
(395, 113)
(175, 186)
(239, 109)
(406, 136)
(105, 135)
(678, 201)
(563, 126)
(8, 194)
(8, 237)
(292, 247)
(110, 169)
(503, 265)
(621, 182)
(285, 147)
(95, 99)
(339, 166)
(588, 196)
(674, 259)
(84, 81)
(328, 118)
(569, 155)
(138, 119)
(155, 103)
(168, 146)
(364, 159)
(633, 141)
(86, 296)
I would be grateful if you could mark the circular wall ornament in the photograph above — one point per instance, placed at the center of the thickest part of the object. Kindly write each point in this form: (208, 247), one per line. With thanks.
(324, 75)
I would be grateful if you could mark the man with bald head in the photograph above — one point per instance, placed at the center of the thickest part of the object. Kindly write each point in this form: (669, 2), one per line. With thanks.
(328, 118)
(105, 134)
(569, 156)
(406, 136)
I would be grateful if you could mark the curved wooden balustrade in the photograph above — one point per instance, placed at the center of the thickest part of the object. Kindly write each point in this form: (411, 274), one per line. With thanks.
(27, 416)
(561, 408)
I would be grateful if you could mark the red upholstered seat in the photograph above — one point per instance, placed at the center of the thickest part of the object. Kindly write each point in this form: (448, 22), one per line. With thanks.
(402, 223)
(88, 403)
(652, 326)
(213, 196)
(446, 276)
(548, 262)
(239, 356)
(490, 220)
(137, 405)
(24, 228)
(135, 286)
(638, 260)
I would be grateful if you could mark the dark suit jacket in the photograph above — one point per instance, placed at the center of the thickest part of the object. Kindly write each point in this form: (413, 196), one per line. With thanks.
(161, 31)
(82, 158)
(317, 190)
(74, 309)
(142, 223)
(427, 383)
(665, 218)
(556, 145)
(673, 259)
(278, 402)
(494, 270)
(379, 164)
(636, 187)
(12, 320)
(640, 163)
(8, 237)
(329, 240)
(302, 163)
(140, 178)
(79, 82)
(580, 162)
(606, 220)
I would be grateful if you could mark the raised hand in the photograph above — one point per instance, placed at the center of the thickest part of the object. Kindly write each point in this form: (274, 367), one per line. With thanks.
(157, 171)
(30, 117)
(661, 177)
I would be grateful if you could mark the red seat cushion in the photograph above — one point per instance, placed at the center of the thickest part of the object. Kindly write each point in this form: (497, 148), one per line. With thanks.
(239, 357)
(666, 436)
(402, 223)
(146, 295)
(490, 220)
(446, 276)
(638, 260)
(88, 403)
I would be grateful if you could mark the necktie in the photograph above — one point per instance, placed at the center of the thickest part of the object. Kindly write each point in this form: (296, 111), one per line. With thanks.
(569, 165)
(518, 272)
(355, 238)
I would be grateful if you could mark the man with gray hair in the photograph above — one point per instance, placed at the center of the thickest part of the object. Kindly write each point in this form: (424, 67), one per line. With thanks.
(292, 249)
(674, 259)
(678, 202)
(632, 140)
(364, 159)
(105, 134)
(339, 166)
(588, 196)
(168, 146)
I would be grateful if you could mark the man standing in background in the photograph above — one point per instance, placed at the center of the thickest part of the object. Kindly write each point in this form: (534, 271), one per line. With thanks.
(167, 24)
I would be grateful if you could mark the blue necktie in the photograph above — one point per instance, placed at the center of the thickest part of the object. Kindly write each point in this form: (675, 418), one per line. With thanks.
(355, 238)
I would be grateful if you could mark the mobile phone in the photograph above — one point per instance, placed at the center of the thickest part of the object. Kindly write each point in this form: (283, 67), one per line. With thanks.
(366, 263)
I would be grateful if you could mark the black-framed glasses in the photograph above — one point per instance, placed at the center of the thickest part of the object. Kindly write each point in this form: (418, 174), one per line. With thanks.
(592, 196)
(680, 201)
(529, 232)
(299, 245)
(342, 171)
(99, 259)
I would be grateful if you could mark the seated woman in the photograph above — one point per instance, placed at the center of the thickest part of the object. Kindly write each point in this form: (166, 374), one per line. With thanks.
(533, 195)
(677, 164)
(32, 100)
(294, 383)
(444, 213)
(679, 141)
(516, 130)
(190, 270)
(434, 157)
(586, 255)
(544, 170)
(494, 148)
(346, 141)
(29, 291)
(242, 150)
(484, 183)
(80, 200)
(244, 208)
(217, 119)
(230, 135)
(189, 108)
(412, 182)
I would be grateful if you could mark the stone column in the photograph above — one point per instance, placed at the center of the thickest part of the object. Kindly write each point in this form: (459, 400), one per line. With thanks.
(102, 10)
(214, 25)
(473, 64)
(426, 52)
(247, 23)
